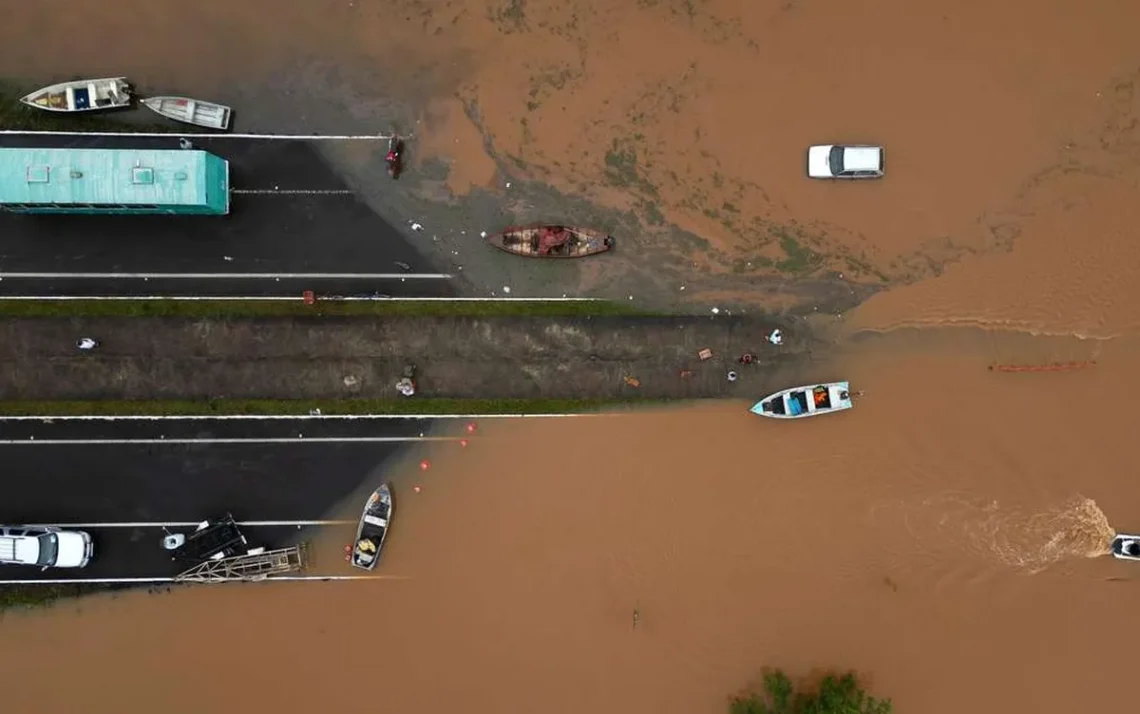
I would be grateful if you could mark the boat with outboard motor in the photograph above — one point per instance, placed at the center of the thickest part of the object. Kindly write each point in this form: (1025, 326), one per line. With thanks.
(807, 401)
(373, 528)
(1126, 547)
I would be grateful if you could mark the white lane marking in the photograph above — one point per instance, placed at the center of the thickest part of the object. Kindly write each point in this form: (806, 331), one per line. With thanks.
(109, 581)
(225, 276)
(189, 524)
(291, 192)
(193, 135)
(33, 441)
(47, 418)
(294, 298)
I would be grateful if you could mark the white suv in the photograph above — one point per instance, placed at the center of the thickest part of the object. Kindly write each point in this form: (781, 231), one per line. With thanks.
(45, 547)
(845, 162)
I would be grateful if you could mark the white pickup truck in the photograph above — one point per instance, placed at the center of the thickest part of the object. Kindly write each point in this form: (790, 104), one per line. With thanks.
(45, 547)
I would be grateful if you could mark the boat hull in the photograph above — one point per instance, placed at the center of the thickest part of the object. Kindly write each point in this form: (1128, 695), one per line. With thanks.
(372, 531)
(1126, 547)
(806, 401)
(525, 241)
(196, 112)
(82, 96)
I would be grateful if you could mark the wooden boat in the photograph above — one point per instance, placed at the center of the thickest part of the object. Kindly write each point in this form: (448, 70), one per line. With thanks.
(801, 402)
(191, 111)
(551, 241)
(82, 95)
(373, 528)
(1126, 547)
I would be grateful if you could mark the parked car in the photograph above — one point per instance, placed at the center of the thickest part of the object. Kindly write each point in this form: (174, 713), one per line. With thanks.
(845, 162)
(45, 547)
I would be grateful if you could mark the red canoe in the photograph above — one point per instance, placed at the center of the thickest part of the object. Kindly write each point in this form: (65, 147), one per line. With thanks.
(551, 241)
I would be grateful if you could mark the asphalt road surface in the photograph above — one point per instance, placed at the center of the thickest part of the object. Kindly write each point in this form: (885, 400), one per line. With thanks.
(291, 215)
(136, 472)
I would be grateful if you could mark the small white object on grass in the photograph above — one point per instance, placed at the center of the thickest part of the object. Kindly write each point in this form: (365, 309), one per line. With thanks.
(507, 289)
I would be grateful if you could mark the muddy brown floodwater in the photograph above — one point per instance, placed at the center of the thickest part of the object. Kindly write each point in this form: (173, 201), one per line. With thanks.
(945, 537)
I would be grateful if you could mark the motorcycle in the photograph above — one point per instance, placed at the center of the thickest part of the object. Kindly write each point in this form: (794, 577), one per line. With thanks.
(395, 157)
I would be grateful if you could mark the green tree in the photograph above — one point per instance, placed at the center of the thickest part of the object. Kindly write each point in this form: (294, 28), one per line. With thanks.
(835, 695)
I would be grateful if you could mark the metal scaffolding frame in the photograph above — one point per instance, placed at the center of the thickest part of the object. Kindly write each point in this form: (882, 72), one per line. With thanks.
(248, 568)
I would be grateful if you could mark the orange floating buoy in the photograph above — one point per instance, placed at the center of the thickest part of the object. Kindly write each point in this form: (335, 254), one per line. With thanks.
(347, 549)
(471, 427)
(463, 443)
(347, 558)
(425, 465)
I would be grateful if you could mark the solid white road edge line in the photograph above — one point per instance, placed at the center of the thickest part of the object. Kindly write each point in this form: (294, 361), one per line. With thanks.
(225, 276)
(195, 136)
(295, 298)
(33, 441)
(189, 524)
(284, 417)
(109, 581)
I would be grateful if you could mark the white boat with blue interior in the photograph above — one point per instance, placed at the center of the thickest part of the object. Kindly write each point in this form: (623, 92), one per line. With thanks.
(807, 401)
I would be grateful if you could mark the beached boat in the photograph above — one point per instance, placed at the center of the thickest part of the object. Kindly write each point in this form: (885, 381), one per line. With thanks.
(800, 402)
(551, 241)
(82, 95)
(1126, 547)
(373, 528)
(191, 111)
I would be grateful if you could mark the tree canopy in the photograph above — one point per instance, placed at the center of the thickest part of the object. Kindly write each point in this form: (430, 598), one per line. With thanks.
(836, 694)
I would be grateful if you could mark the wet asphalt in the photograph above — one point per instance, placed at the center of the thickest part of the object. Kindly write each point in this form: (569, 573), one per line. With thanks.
(104, 471)
(325, 230)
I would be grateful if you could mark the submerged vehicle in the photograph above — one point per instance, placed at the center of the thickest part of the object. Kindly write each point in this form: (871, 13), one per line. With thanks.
(191, 111)
(551, 241)
(800, 402)
(82, 95)
(1126, 547)
(373, 528)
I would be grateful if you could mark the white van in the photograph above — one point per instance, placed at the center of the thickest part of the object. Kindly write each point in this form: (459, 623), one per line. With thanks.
(45, 547)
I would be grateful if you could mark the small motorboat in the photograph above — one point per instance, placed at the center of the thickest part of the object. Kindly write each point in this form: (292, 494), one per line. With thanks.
(191, 111)
(551, 241)
(1126, 547)
(800, 402)
(373, 528)
(82, 95)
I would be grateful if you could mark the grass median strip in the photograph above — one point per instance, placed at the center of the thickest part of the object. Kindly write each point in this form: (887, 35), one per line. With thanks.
(174, 307)
(278, 407)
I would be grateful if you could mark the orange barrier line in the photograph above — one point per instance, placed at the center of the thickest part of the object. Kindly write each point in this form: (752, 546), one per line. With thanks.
(1055, 367)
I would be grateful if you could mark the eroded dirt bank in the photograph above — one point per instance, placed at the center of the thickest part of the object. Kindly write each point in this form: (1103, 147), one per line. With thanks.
(330, 358)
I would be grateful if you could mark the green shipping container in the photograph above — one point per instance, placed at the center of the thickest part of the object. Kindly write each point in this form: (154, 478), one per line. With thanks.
(115, 181)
